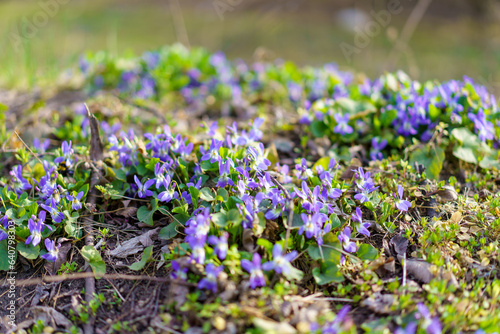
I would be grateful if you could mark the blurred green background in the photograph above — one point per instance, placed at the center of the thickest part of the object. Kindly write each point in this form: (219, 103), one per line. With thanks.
(439, 39)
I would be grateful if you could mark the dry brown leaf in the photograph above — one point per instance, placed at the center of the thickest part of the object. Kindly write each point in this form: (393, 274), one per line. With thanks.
(127, 212)
(248, 240)
(134, 245)
(398, 245)
(475, 229)
(447, 193)
(456, 217)
(271, 326)
(420, 269)
(50, 315)
(379, 303)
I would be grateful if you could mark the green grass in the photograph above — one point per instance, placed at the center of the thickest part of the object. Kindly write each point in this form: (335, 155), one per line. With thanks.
(441, 50)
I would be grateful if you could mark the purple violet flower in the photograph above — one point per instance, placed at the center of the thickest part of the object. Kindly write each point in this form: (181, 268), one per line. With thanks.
(198, 226)
(212, 130)
(67, 156)
(20, 183)
(431, 325)
(312, 224)
(301, 170)
(178, 272)
(36, 226)
(310, 198)
(411, 328)
(160, 173)
(342, 126)
(169, 193)
(147, 89)
(5, 223)
(484, 128)
(281, 262)
(360, 227)
(57, 216)
(365, 184)
(345, 241)
(52, 250)
(377, 146)
(401, 204)
(151, 59)
(197, 250)
(283, 170)
(334, 326)
(319, 237)
(210, 282)
(224, 179)
(254, 268)
(259, 162)
(75, 200)
(220, 244)
(255, 134)
(142, 189)
(41, 146)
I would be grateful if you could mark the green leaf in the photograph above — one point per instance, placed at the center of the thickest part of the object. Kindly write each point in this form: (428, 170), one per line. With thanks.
(145, 215)
(434, 112)
(219, 219)
(146, 256)
(268, 245)
(319, 129)
(28, 251)
(7, 260)
(207, 166)
(470, 147)
(194, 196)
(328, 273)
(465, 136)
(367, 252)
(222, 195)
(70, 226)
(120, 174)
(233, 216)
(323, 162)
(206, 195)
(329, 254)
(431, 157)
(85, 189)
(152, 164)
(335, 220)
(169, 231)
(489, 162)
(466, 154)
(94, 259)
(142, 170)
(181, 209)
(388, 116)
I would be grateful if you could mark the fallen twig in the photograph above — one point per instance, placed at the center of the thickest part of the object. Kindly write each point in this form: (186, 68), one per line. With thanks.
(85, 275)
(96, 154)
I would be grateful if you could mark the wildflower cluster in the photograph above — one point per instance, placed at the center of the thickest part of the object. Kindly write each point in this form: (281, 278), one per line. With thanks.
(383, 115)
(229, 208)
(49, 204)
